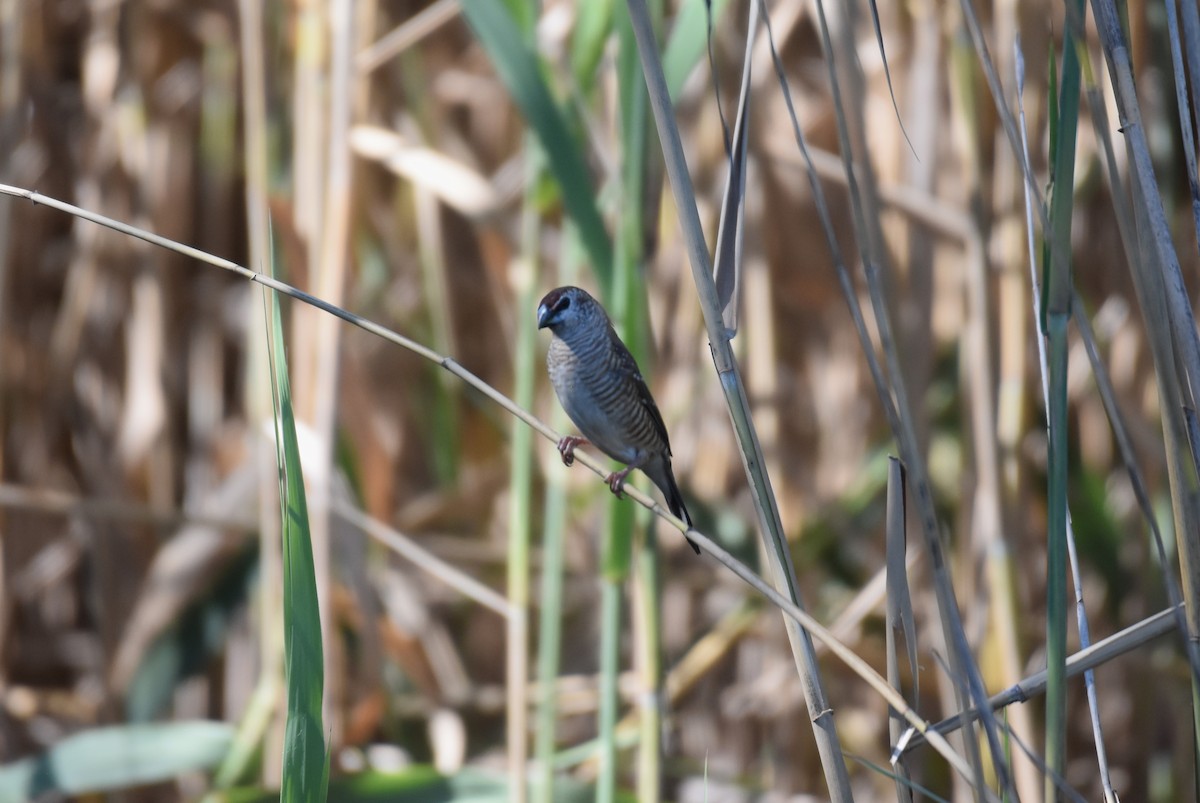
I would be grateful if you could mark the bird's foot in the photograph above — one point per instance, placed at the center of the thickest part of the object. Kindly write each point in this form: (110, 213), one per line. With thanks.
(567, 446)
(616, 481)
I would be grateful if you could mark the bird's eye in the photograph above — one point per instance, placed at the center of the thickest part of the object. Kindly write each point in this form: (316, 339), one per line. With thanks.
(562, 305)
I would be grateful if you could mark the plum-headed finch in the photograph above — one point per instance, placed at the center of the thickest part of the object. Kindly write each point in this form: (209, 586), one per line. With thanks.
(599, 385)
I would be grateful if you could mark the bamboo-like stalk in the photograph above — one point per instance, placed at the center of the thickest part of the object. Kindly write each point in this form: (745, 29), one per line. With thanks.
(550, 622)
(520, 517)
(11, 27)
(258, 399)
(1055, 317)
(630, 302)
(332, 256)
(309, 121)
(617, 550)
(783, 573)
(1081, 613)
(549, 637)
(647, 610)
(1056, 553)
(610, 655)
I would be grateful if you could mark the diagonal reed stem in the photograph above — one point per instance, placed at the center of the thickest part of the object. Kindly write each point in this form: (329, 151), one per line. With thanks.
(794, 613)
(778, 554)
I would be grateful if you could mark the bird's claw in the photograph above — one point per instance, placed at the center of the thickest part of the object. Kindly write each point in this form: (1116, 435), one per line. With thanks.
(616, 481)
(567, 446)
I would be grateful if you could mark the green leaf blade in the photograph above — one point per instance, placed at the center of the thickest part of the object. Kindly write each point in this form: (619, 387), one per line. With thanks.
(305, 762)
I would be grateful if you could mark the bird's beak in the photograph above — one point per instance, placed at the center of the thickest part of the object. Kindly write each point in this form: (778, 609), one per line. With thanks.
(544, 314)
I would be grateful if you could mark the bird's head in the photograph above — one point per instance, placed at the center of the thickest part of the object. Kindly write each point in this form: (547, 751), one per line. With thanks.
(565, 307)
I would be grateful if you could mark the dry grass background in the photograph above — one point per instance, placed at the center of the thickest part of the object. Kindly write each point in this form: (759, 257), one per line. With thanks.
(130, 388)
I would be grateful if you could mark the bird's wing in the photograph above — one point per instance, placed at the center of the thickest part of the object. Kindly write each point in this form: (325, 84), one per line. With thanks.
(627, 366)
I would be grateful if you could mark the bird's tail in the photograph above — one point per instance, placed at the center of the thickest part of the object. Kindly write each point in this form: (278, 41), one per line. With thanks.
(675, 504)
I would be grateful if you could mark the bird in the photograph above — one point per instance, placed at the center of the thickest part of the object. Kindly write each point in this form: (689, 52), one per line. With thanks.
(598, 383)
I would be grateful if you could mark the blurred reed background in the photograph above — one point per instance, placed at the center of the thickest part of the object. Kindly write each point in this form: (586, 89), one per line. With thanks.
(436, 168)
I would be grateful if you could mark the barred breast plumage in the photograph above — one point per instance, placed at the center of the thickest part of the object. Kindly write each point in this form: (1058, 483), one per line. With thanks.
(598, 383)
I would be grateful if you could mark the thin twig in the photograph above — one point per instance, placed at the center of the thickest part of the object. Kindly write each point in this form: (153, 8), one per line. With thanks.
(423, 559)
(1101, 652)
